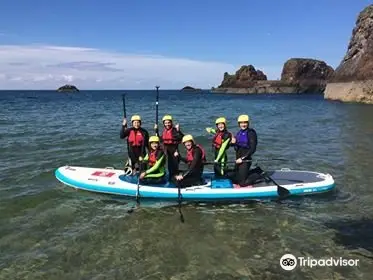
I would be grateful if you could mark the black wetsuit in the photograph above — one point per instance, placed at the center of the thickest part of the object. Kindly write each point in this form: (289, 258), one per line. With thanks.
(136, 145)
(245, 146)
(171, 140)
(193, 175)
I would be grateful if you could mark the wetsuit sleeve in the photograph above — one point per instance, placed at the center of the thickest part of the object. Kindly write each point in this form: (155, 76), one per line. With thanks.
(197, 157)
(146, 140)
(182, 159)
(178, 135)
(224, 146)
(155, 167)
(231, 144)
(124, 132)
(144, 164)
(253, 144)
(212, 130)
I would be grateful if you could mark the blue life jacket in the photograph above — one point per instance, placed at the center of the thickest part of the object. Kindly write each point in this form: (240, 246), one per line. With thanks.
(243, 139)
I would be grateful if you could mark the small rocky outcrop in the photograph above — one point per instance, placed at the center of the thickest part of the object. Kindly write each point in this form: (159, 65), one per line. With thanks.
(189, 88)
(353, 78)
(246, 76)
(309, 75)
(68, 88)
(299, 75)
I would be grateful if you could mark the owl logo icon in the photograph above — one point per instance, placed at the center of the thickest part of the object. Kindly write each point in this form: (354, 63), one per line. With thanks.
(288, 262)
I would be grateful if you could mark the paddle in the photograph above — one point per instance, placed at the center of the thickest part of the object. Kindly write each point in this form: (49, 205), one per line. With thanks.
(281, 191)
(128, 163)
(248, 160)
(156, 110)
(179, 202)
(138, 185)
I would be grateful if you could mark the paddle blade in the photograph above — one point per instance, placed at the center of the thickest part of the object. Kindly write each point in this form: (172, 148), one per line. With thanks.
(282, 192)
(208, 129)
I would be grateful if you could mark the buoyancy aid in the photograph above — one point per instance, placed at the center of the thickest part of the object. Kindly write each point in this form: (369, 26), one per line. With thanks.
(135, 138)
(218, 139)
(168, 136)
(243, 139)
(153, 157)
(189, 155)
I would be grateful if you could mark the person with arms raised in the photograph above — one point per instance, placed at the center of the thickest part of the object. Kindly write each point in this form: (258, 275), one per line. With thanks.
(222, 139)
(245, 144)
(195, 158)
(153, 164)
(137, 140)
(171, 138)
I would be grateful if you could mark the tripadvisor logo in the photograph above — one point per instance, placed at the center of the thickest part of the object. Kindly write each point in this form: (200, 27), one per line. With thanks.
(289, 262)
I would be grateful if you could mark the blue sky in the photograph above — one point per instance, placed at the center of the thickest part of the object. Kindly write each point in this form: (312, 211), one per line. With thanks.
(137, 44)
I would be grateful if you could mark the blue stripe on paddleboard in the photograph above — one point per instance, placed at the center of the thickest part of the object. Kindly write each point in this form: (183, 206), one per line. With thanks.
(188, 195)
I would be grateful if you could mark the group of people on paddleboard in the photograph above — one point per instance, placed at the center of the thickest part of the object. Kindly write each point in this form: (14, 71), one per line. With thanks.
(148, 154)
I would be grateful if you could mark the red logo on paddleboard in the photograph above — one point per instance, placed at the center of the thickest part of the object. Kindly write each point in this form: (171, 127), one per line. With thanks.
(102, 174)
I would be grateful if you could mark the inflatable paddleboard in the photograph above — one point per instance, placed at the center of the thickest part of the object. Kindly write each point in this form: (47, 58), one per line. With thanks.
(113, 181)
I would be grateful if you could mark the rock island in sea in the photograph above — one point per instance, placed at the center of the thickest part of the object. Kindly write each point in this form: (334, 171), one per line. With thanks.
(68, 88)
(189, 88)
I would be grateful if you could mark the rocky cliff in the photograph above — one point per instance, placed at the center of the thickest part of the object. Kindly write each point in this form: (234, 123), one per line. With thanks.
(353, 78)
(299, 75)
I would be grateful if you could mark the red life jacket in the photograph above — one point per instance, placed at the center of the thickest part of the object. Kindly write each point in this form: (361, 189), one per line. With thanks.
(167, 136)
(136, 139)
(153, 157)
(218, 139)
(189, 156)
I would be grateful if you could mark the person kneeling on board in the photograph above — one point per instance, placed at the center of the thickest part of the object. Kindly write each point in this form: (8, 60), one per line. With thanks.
(220, 142)
(245, 144)
(153, 164)
(137, 140)
(195, 158)
(171, 138)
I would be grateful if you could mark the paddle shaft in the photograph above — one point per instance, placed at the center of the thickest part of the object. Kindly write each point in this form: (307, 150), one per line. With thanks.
(248, 160)
(156, 109)
(138, 185)
(124, 105)
(128, 163)
(179, 202)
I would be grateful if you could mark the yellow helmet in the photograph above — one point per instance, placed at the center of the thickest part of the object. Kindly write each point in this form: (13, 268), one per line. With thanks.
(243, 118)
(153, 139)
(187, 138)
(136, 118)
(167, 118)
(221, 120)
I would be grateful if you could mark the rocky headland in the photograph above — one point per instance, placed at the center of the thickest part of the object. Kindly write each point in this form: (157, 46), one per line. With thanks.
(353, 79)
(68, 88)
(299, 75)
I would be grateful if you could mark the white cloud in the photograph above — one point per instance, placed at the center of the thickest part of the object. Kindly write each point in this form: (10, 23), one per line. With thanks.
(48, 67)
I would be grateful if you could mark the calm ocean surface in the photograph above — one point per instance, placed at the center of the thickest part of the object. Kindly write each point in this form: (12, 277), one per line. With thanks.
(50, 231)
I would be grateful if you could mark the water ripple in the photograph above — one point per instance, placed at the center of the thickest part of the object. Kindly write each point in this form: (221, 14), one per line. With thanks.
(49, 231)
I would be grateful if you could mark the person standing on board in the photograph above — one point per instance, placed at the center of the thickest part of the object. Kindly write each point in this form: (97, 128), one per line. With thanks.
(195, 158)
(171, 138)
(245, 144)
(221, 142)
(153, 164)
(137, 140)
